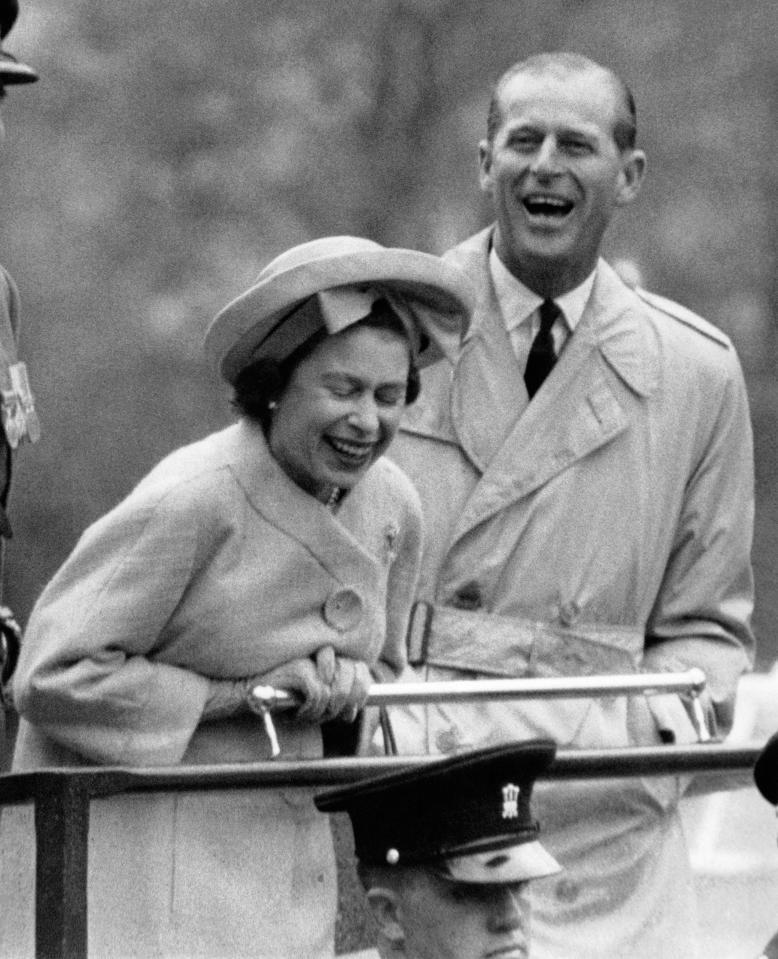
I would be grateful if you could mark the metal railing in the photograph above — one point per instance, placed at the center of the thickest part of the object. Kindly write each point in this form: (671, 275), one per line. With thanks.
(61, 797)
(265, 700)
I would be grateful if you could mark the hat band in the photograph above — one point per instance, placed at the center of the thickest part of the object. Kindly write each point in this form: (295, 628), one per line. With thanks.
(291, 331)
(334, 310)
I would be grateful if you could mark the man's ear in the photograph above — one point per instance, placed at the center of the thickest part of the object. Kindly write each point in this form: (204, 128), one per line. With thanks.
(384, 904)
(633, 170)
(485, 166)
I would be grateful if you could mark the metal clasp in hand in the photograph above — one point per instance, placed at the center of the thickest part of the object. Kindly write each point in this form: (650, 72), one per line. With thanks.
(261, 699)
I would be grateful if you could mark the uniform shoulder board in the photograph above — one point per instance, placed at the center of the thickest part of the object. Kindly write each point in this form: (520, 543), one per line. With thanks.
(678, 312)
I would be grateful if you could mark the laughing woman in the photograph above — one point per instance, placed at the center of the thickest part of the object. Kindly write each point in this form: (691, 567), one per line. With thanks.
(282, 551)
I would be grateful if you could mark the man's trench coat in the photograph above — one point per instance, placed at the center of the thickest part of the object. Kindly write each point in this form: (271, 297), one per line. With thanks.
(603, 528)
(216, 565)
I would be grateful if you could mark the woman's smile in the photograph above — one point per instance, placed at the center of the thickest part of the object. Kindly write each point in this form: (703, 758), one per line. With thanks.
(353, 453)
(341, 408)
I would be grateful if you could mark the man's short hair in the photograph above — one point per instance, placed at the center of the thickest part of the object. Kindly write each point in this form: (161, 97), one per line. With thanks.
(563, 63)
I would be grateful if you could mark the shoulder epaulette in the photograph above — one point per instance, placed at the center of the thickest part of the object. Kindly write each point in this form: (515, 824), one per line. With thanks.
(687, 317)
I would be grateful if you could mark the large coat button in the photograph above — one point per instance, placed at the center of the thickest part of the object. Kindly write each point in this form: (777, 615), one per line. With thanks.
(343, 609)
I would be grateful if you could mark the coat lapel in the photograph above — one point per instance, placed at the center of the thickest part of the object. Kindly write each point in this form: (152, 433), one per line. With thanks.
(306, 520)
(488, 394)
(581, 407)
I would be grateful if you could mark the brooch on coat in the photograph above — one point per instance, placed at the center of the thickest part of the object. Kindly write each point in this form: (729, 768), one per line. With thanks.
(391, 532)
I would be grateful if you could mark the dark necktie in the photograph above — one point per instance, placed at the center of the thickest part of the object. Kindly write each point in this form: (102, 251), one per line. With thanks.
(542, 357)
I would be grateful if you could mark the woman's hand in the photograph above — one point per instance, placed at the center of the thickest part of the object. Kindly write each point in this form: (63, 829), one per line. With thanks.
(330, 686)
(303, 678)
(348, 689)
(327, 686)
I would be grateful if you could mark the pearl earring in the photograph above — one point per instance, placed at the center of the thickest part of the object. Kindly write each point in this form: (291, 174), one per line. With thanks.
(272, 405)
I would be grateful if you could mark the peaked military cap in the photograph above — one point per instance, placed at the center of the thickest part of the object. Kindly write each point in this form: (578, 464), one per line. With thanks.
(766, 770)
(11, 70)
(467, 817)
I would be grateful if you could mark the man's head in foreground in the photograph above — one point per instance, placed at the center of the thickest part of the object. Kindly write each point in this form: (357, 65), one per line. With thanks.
(445, 852)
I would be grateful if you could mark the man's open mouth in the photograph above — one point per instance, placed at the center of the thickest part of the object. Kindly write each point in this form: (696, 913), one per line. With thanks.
(541, 204)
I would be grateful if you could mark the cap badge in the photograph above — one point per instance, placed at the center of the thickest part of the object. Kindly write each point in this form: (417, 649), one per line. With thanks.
(510, 801)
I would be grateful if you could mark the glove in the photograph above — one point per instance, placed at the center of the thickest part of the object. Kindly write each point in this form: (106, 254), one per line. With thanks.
(327, 686)
(304, 678)
(226, 697)
(348, 690)
(230, 697)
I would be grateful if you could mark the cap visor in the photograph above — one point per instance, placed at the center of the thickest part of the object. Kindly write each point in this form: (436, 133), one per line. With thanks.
(527, 860)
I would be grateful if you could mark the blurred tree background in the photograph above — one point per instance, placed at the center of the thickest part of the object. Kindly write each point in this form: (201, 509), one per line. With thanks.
(171, 149)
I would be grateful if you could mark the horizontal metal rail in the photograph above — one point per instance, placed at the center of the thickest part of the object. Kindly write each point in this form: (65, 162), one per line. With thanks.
(581, 687)
(265, 700)
(62, 797)
(102, 781)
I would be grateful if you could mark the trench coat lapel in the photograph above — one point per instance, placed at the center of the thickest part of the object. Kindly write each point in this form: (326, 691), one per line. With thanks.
(488, 394)
(614, 351)
(284, 504)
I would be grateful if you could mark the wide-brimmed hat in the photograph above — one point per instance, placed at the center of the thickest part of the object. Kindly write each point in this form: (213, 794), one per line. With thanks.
(467, 818)
(431, 295)
(11, 70)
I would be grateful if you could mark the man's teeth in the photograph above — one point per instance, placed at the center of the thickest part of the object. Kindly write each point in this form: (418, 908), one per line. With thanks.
(547, 204)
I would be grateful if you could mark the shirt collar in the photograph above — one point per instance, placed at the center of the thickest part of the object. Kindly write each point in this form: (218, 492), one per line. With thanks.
(518, 302)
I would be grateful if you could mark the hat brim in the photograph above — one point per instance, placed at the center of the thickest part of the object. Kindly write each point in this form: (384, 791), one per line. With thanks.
(429, 283)
(517, 863)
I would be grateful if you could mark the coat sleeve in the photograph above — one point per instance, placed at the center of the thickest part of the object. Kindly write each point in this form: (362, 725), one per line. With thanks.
(87, 676)
(703, 609)
(401, 587)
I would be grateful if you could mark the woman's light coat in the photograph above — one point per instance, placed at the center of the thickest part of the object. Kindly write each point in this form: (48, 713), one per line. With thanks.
(216, 565)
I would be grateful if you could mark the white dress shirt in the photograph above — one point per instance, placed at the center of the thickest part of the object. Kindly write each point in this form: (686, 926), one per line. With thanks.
(519, 306)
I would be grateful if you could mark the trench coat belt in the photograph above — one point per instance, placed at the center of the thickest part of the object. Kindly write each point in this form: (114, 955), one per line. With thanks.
(497, 645)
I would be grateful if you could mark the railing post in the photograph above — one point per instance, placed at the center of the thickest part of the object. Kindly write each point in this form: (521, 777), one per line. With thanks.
(61, 833)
